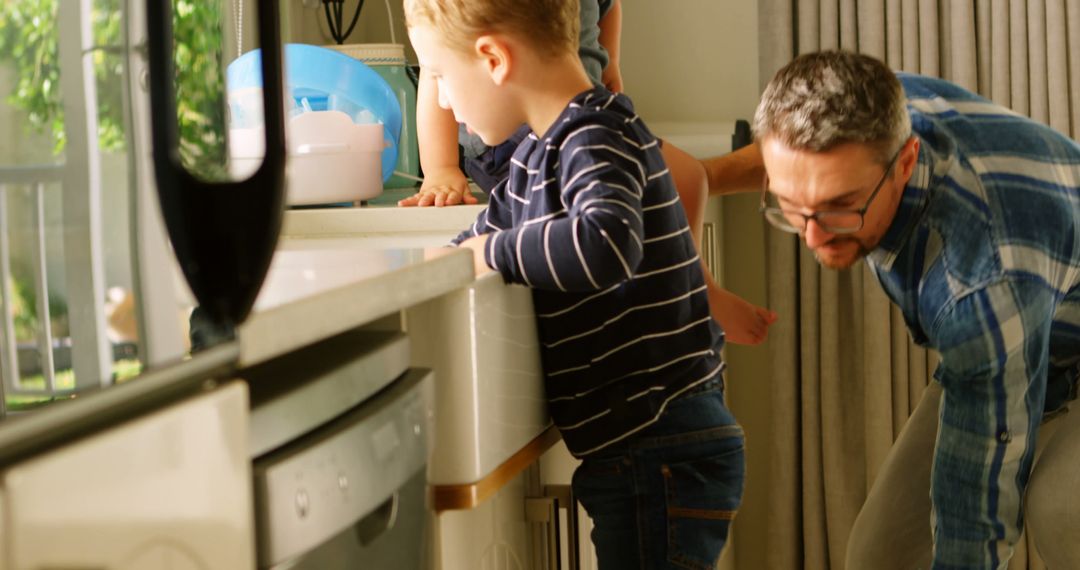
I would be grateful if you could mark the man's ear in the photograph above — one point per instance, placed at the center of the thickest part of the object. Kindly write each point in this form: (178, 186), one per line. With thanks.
(495, 54)
(909, 157)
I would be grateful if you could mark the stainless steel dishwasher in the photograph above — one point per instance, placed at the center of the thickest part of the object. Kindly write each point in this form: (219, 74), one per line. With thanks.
(339, 443)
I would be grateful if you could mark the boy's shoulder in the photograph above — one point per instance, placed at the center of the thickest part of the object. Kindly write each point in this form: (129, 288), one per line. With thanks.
(598, 116)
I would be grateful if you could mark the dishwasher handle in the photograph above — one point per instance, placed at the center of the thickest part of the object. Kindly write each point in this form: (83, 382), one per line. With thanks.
(378, 522)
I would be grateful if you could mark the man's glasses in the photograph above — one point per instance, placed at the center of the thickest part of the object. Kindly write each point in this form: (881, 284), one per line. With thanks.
(831, 221)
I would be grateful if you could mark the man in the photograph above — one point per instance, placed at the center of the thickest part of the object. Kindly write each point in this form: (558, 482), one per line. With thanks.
(969, 215)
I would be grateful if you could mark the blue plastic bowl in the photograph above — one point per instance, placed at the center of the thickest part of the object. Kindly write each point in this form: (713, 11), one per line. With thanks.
(323, 79)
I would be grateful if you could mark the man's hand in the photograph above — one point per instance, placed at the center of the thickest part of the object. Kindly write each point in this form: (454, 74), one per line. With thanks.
(477, 245)
(444, 187)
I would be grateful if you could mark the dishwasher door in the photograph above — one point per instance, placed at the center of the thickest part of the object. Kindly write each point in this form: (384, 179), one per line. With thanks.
(394, 537)
(350, 493)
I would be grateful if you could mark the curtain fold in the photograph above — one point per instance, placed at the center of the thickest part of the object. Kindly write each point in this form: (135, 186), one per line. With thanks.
(783, 545)
(1072, 53)
(1018, 56)
(1037, 80)
(846, 375)
(1057, 66)
(984, 30)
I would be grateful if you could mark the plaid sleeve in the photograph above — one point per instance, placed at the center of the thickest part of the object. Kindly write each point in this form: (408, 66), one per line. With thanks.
(994, 347)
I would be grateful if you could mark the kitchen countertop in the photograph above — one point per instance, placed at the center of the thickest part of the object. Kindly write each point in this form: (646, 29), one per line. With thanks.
(313, 293)
(390, 196)
(339, 267)
(381, 217)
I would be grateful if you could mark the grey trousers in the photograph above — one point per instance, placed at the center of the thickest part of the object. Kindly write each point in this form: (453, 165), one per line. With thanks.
(893, 530)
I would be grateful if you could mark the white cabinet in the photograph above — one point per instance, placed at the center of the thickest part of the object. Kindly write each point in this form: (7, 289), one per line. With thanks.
(491, 425)
(170, 489)
(481, 342)
(515, 528)
(557, 469)
(494, 535)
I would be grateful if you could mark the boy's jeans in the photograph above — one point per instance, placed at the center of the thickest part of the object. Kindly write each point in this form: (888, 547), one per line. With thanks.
(892, 531)
(666, 497)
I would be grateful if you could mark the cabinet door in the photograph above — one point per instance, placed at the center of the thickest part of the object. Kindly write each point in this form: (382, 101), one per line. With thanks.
(168, 490)
(712, 251)
(556, 470)
(494, 535)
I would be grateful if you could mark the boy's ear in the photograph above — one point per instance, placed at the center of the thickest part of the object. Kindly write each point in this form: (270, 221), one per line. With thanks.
(496, 57)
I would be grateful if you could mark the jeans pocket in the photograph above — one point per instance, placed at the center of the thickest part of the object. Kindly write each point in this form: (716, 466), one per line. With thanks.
(702, 497)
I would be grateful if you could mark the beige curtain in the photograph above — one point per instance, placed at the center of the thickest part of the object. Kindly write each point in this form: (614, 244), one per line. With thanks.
(846, 375)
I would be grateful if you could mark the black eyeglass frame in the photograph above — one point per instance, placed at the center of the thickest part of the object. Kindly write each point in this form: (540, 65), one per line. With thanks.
(780, 220)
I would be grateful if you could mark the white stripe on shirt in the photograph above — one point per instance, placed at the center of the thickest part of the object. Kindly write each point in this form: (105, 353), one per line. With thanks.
(669, 236)
(565, 310)
(547, 256)
(648, 370)
(581, 256)
(638, 340)
(623, 314)
(674, 200)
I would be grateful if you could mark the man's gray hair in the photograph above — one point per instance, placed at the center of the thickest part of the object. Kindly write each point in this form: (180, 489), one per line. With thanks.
(821, 100)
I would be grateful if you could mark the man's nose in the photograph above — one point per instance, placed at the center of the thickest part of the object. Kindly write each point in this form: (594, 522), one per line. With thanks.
(814, 235)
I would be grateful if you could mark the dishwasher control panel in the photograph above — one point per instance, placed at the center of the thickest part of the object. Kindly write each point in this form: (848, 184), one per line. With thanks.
(311, 489)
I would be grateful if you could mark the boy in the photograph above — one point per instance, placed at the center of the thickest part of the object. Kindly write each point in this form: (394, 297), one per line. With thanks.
(445, 182)
(598, 47)
(590, 220)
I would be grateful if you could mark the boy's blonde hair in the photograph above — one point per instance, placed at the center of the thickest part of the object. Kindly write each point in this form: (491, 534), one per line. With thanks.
(551, 26)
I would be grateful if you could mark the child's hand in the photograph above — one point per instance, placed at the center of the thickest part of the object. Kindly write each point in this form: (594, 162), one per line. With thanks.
(444, 187)
(742, 321)
(476, 244)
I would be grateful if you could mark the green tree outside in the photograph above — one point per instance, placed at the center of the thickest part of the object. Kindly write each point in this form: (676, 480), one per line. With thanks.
(28, 42)
(29, 46)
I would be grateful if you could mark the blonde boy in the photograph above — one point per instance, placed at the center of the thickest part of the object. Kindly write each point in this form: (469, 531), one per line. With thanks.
(590, 220)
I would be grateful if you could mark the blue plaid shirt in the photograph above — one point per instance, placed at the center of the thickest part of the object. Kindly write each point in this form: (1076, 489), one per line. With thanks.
(983, 258)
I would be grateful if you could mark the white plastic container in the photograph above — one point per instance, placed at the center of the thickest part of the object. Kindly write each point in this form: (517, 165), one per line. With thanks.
(388, 60)
(330, 158)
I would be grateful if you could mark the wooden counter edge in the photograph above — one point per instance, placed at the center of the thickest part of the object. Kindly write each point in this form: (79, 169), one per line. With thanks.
(469, 495)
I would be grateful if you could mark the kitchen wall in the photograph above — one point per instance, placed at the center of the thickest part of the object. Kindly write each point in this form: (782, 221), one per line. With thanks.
(691, 60)
(308, 25)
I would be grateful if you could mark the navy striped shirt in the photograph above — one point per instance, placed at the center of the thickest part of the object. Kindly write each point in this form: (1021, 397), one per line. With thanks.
(590, 220)
(983, 258)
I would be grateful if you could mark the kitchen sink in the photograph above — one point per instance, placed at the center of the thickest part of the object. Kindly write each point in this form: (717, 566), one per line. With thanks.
(489, 389)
